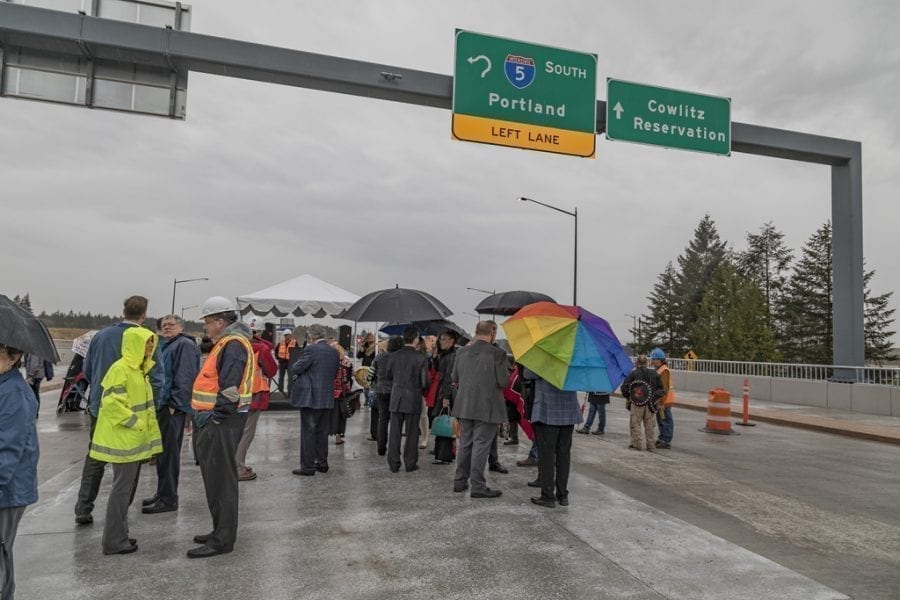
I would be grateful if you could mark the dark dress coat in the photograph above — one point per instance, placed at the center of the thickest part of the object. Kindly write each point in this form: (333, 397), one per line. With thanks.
(408, 369)
(315, 371)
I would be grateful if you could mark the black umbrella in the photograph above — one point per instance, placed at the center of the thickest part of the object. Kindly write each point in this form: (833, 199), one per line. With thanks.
(22, 330)
(397, 305)
(507, 303)
(436, 327)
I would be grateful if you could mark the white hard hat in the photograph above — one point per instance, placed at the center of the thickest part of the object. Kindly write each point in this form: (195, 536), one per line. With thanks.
(216, 305)
(287, 332)
(255, 323)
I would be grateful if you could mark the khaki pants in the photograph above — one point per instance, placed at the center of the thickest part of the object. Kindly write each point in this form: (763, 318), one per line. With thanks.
(639, 415)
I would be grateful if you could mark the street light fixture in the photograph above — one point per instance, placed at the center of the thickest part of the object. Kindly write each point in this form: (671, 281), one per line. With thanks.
(175, 286)
(183, 308)
(573, 213)
(482, 291)
(633, 329)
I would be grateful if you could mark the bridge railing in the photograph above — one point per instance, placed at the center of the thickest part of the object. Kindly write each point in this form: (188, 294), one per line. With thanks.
(867, 374)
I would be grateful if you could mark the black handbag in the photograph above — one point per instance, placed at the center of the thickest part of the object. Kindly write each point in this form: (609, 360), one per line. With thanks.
(350, 403)
(528, 396)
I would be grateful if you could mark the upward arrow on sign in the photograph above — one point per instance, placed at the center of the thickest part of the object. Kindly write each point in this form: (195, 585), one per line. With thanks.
(619, 110)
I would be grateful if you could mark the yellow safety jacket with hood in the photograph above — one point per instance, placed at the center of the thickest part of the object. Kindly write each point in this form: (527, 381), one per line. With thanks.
(126, 429)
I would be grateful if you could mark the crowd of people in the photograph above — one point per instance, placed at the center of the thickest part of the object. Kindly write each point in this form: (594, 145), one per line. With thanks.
(147, 390)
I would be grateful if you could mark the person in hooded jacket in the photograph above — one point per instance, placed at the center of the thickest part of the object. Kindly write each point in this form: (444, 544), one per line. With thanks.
(18, 459)
(127, 433)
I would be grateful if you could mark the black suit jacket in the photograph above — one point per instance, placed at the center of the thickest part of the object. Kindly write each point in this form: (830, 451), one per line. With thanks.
(408, 369)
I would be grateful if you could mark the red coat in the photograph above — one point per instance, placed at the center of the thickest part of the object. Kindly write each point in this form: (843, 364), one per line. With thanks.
(265, 360)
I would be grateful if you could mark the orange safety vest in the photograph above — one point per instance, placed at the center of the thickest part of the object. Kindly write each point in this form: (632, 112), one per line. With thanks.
(666, 376)
(206, 386)
(284, 349)
(260, 381)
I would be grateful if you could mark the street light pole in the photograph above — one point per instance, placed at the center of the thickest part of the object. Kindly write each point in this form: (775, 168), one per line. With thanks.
(573, 214)
(634, 329)
(175, 286)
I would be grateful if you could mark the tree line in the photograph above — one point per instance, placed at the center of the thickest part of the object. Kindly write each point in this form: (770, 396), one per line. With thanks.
(88, 320)
(756, 304)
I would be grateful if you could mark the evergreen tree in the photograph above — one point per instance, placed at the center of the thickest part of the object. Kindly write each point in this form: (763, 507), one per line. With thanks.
(767, 259)
(806, 310)
(732, 323)
(878, 319)
(697, 265)
(661, 328)
(23, 301)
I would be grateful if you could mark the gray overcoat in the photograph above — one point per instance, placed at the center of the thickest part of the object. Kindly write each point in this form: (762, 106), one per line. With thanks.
(481, 371)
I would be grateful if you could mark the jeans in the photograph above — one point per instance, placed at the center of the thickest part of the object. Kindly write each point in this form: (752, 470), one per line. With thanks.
(168, 464)
(666, 425)
(600, 411)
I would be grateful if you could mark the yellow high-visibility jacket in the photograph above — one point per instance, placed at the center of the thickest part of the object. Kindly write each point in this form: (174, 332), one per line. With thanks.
(127, 430)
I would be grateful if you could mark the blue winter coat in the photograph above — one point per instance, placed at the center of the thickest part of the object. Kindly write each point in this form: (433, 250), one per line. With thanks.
(18, 442)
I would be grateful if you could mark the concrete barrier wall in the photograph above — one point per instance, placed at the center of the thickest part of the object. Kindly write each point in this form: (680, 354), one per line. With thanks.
(797, 391)
(871, 399)
(840, 395)
(700, 382)
(856, 397)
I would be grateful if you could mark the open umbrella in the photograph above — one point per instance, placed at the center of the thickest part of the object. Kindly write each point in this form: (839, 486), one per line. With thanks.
(507, 303)
(568, 346)
(22, 330)
(436, 327)
(81, 344)
(397, 305)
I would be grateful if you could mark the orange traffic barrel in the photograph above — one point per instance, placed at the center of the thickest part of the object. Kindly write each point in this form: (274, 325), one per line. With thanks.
(718, 412)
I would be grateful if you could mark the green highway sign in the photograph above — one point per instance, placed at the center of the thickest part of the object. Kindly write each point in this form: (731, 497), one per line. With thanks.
(664, 117)
(517, 94)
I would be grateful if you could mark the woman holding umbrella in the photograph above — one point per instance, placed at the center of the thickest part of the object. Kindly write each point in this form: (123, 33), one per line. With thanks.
(18, 458)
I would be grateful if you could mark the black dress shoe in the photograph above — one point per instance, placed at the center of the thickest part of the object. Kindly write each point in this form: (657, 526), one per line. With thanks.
(201, 539)
(206, 552)
(460, 488)
(84, 519)
(149, 501)
(322, 469)
(583, 430)
(546, 503)
(304, 473)
(412, 468)
(536, 483)
(498, 468)
(487, 493)
(563, 500)
(128, 550)
(598, 432)
(159, 507)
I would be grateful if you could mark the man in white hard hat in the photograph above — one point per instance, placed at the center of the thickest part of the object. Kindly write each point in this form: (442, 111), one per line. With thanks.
(220, 399)
(283, 354)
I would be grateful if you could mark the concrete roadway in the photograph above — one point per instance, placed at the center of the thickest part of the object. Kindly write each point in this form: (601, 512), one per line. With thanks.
(774, 513)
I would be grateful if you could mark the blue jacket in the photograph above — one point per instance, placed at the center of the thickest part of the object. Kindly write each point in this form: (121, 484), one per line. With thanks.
(18, 442)
(315, 371)
(181, 359)
(105, 349)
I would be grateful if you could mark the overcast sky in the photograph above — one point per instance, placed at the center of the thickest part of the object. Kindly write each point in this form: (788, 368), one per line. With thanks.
(263, 182)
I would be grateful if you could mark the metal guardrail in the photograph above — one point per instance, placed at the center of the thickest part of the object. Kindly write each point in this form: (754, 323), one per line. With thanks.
(874, 375)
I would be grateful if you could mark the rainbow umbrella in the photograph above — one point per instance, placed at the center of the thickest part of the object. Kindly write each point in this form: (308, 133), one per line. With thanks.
(568, 346)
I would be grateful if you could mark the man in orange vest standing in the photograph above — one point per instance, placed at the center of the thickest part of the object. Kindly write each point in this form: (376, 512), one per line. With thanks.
(283, 353)
(220, 399)
(664, 411)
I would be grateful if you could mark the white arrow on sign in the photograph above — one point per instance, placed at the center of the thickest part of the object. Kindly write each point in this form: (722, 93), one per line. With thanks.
(474, 59)
(619, 110)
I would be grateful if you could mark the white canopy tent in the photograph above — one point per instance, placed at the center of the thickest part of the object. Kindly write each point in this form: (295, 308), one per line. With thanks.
(299, 297)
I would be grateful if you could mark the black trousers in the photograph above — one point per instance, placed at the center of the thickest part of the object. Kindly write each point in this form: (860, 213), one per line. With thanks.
(373, 417)
(168, 464)
(411, 447)
(555, 449)
(216, 447)
(384, 417)
(283, 365)
(315, 423)
(91, 478)
(36, 388)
